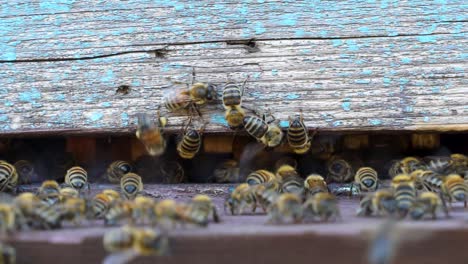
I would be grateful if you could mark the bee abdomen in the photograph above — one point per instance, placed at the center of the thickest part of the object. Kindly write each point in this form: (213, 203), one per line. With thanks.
(231, 95)
(131, 184)
(405, 195)
(255, 126)
(176, 101)
(8, 176)
(259, 177)
(293, 184)
(189, 145)
(117, 169)
(76, 177)
(367, 177)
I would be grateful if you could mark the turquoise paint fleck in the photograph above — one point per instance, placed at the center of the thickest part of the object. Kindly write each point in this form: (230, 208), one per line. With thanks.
(30, 96)
(106, 104)
(426, 119)
(384, 4)
(375, 122)
(337, 42)
(323, 33)
(109, 76)
(288, 20)
(435, 90)
(405, 60)
(337, 123)
(427, 39)
(60, 97)
(274, 72)
(364, 30)
(299, 33)
(124, 119)
(259, 28)
(257, 75)
(219, 119)
(362, 81)
(4, 118)
(352, 46)
(9, 103)
(284, 123)
(179, 6)
(408, 109)
(95, 116)
(292, 96)
(367, 72)
(346, 105)
(56, 6)
(404, 81)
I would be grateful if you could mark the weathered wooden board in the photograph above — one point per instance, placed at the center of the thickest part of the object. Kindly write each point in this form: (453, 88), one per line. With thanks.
(352, 65)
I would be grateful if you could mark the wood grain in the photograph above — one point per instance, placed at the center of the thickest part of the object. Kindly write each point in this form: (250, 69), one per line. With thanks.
(352, 66)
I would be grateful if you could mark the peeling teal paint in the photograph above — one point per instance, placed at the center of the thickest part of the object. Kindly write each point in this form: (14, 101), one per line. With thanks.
(30, 96)
(427, 39)
(288, 20)
(284, 123)
(364, 29)
(95, 116)
(337, 42)
(124, 119)
(4, 118)
(259, 28)
(426, 119)
(362, 81)
(109, 76)
(274, 72)
(405, 60)
(60, 97)
(106, 104)
(352, 46)
(346, 105)
(219, 119)
(257, 75)
(299, 33)
(408, 109)
(8, 103)
(337, 123)
(292, 96)
(375, 122)
(367, 72)
(435, 90)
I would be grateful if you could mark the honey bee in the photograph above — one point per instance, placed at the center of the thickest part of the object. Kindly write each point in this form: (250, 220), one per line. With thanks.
(112, 194)
(427, 180)
(130, 185)
(322, 205)
(259, 177)
(165, 212)
(455, 188)
(202, 93)
(74, 210)
(25, 170)
(127, 243)
(100, 205)
(49, 192)
(8, 177)
(227, 172)
(366, 179)
(243, 195)
(381, 202)
(410, 164)
(68, 192)
(405, 193)
(298, 135)
(267, 193)
(46, 217)
(8, 218)
(117, 169)
(232, 99)
(427, 203)
(26, 203)
(77, 178)
(270, 135)
(198, 211)
(197, 94)
(286, 209)
(459, 164)
(190, 144)
(7, 254)
(339, 170)
(118, 211)
(150, 134)
(293, 184)
(285, 171)
(314, 184)
(143, 209)
(438, 164)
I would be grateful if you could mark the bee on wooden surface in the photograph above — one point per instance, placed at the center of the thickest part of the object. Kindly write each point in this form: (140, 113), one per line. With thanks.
(198, 211)
(455, 189)
(130, 185)
(74, 210)
(77, 178)
(190, 143)
(323, 206)
(459, 164)
(427, 180)
(117, 169)
(26, 203)
(49, 192)
(410, 164)
(143, 209)
(285, 171)
(427, 203)
(7, 254)
(438, 164)
(339, 170)
(259, 177)
(286, 209)
(241, 197)
(68, 192)
(8, 218)
(150, 133)
(180, 97)
(100, 205)
(127, 243)
(269, 134)
(267, 193)
(227, 172)
(8, 177)
(366, 180)
(166, 213)
(202, 93)
(293, 184)
(298, 135)
(232, 101)
(25, 170)
(405, 193)
(314, 183)
(46, 217)
(112, 194)
(379, 203)
(119, 211)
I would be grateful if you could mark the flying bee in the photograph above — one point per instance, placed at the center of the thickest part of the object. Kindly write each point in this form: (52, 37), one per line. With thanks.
(8, 177)
(323, 206)
(366, 179)
(455, 189)
(130, 185)
(227, 172)
(232, 99)
(339, 170)
(118, 211)
(287, 208)
(427, 203)
(405, 193)
(127, 243)
(269, 134)
(259, 177)
(190, 143)
(298, 135)
(381, 202)
(143, 209)
(74, 210)
(25, 170)
(150, 134)
(117, 169)
(7, 254)
(198, 211)
(49, 192)
(77, 178)
(314, 184)
(241, 197)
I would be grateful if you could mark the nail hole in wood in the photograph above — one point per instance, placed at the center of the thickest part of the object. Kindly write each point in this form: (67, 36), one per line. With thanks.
(123, 89)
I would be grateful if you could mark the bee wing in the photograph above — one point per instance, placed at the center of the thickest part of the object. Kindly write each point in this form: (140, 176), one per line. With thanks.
(120, 257)
(248, 158)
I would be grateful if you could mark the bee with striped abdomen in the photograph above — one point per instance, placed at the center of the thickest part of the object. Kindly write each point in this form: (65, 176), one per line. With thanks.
(241, 197)
(405, 193)
(190, 143)
(323, 206)
(232, 101)
(74, 210)
(366, 180)
(293, 184)
(68, 192)
(77, 178)
(410, 164)
(427, 180)
(259, 177)
(49, 192)
(131, 185)
(227, 172)
(455, 189)
(269, 134)
(379, 203)
(117, 169)
(8, 177)
(427, 203)
(438, 164)
(285, 209)
(46, 217)
(100, 205)
(25, 170)
(459, 164)
(298, 135)
(112, 194)
(150, 133)
(314, 183)
(285, 171)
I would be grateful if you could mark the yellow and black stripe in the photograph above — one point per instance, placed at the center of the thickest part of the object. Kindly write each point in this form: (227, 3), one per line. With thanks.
(190, 144)
(455, 188)
(405, 195)
(100, 205)
(297, 135)
(367, 179)
(232, 95)
(259, 177)
(293, 184)
(117, 169)
(8, 176)
(131, 184)
(255, 126)
(77, 177)
(177, 99)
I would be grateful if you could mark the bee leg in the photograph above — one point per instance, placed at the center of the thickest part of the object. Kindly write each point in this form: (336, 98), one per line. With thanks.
(215, 215)
(254, 207)
(243, 85)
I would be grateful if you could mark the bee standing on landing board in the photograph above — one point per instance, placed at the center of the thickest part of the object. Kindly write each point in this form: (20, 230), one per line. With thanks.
(260, 176)
(117, 169)
(77, 178)
(339, 170)
(459, 164)
(190, 144)
(455, 189)
(8, 219)
(130, 185)
(323, 206)
(365, 180)
(49, 192)
(287, 208)
(150, 134)
(198, 211)
(8, 177)
(427, 203)
(379, 203)
(232, 101)
(270, 134)
(314, 184)
(243, 195)
(227, 172)
(405, 193)
(298, 135)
